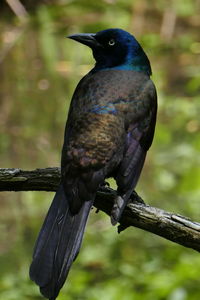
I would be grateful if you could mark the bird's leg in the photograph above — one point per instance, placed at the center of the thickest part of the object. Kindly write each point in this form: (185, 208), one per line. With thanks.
(104, 187)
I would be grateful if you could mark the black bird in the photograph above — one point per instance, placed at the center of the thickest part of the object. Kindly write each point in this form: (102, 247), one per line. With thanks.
(109, 129)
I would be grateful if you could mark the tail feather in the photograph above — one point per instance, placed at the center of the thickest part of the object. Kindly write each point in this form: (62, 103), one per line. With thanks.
(58, 244)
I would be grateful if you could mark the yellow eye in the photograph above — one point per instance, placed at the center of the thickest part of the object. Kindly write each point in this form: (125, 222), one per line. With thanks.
(111, 42)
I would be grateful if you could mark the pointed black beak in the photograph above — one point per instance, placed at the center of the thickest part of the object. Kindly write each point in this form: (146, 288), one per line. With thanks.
(87, 39)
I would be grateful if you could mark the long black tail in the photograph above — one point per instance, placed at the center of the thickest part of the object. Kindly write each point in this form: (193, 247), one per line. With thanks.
(58, 244)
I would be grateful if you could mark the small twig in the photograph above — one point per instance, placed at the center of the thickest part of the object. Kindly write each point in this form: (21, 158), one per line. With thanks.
(11, 37)
(18, 8)
(168, 24)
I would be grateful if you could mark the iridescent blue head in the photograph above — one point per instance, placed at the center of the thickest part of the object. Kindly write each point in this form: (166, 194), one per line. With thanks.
(115, 49)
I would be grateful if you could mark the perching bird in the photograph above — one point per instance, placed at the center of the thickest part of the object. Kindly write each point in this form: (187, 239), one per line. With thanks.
(109, 129)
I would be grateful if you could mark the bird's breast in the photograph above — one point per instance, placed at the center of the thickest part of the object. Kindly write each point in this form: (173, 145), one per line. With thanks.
(95, 139)
(103, 106)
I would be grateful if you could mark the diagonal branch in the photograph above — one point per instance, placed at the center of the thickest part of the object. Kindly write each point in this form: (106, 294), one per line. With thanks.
(173, 227)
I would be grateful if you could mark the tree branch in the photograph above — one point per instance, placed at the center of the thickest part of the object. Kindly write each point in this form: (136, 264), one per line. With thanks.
(173, 227)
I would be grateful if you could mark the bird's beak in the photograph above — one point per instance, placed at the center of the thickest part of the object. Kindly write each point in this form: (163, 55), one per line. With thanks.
(87, 39)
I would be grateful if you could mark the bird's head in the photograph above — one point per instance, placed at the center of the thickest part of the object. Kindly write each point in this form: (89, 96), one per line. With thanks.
(115, 48)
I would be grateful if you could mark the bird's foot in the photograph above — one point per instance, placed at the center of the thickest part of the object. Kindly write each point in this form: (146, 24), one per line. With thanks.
(135, 199)
(117, 209)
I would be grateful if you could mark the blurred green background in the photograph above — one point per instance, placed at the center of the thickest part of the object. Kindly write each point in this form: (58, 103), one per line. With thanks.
(39, 69)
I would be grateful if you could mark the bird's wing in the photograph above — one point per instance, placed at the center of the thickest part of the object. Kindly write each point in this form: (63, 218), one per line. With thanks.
(138, 140)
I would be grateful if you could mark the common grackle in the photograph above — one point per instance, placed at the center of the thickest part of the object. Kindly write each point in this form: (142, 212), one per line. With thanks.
(109, 129)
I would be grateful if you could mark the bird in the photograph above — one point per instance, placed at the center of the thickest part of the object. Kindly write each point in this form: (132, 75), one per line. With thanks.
(110, 127)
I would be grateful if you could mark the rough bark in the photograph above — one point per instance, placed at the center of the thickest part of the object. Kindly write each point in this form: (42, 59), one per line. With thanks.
(173, 227)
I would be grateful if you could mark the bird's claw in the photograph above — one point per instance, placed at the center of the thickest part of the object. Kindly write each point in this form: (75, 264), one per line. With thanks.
(122, 227)
(135, 198)
(117, 209)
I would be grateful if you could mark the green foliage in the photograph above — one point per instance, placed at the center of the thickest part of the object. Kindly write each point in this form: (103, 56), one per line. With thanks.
(38, 76)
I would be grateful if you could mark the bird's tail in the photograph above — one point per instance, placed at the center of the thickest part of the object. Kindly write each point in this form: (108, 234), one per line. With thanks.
(58, 244)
